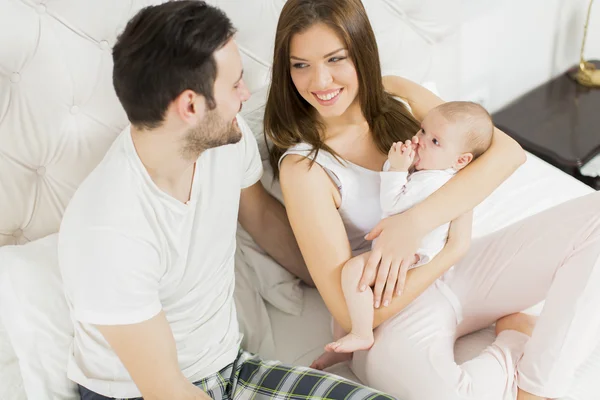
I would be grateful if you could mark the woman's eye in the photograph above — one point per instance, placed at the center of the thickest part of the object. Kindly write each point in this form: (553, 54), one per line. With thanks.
(336, 59)
(299, 65)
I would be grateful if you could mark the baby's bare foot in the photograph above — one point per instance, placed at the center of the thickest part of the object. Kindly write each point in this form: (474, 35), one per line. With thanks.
(328, 359)
(520, 322)
(351, 343)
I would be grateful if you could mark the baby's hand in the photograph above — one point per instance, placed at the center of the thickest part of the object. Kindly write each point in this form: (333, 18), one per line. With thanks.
(401, 156)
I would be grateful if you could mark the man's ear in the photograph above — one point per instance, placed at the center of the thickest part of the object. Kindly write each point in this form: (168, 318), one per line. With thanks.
(463, 160)
(190, 107)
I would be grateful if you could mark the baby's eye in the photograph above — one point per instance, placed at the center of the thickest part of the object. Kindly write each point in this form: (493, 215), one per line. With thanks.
(436, 142)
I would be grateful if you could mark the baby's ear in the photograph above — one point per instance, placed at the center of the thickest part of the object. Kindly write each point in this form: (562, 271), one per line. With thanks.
(463, 160)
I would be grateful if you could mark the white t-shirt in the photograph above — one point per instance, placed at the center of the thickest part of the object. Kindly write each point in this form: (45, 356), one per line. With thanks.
(127, 250)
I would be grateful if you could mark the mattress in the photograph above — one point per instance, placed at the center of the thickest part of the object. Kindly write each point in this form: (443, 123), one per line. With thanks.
(534, 187)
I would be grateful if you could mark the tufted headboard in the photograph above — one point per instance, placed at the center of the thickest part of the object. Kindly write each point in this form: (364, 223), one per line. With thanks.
(59, 113)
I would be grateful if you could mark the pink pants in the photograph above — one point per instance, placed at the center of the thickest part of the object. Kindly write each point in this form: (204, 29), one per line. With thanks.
(552, 256)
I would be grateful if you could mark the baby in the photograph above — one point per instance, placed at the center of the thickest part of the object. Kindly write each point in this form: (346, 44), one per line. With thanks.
(451, 136)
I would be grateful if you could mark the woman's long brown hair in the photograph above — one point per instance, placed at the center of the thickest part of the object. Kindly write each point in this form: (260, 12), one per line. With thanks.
(289, 119)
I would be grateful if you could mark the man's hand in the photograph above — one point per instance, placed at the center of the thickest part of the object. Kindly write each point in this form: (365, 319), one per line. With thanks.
(401, 156)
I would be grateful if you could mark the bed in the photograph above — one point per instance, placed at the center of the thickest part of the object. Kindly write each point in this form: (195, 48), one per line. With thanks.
(59, 114)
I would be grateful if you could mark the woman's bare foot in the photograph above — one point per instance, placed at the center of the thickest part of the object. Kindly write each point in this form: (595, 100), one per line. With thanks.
(523, 395)
(328, 359)
(520, 322)
(351, 343)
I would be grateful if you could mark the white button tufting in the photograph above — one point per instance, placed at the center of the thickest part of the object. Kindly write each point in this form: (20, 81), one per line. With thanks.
(75, 110)
(41, 9)
(15, 77)
(18, 233)
(41, 171)
(104, 45)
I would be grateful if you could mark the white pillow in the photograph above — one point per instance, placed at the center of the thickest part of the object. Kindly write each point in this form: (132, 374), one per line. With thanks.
(36, 318)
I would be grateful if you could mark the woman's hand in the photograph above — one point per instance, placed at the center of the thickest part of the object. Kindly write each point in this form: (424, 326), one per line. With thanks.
(392, 283)
(398, 238)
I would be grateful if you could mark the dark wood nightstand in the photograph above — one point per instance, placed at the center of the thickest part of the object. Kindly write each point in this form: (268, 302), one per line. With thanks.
(559, 122)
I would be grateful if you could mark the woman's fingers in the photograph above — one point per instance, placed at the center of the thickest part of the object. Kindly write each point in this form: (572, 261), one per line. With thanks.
(402, 276)
(370, 270)
(391, 283)
(382, 275)
(375, 232)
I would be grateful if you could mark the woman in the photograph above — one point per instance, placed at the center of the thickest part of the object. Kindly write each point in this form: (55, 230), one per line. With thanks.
(331, 119)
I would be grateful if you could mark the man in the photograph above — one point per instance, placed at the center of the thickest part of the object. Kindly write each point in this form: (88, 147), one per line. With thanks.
(147, 243)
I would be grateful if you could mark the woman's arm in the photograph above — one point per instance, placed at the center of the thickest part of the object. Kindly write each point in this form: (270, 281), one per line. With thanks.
(472, 184)
(310, 201)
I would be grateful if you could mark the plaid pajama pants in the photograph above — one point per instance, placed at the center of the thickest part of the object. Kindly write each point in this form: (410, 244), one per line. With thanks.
(251, 378)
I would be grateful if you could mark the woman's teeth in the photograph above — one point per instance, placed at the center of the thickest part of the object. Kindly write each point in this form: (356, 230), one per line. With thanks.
(328, 96)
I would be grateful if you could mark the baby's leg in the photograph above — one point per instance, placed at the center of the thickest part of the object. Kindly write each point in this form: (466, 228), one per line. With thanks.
(360, 307)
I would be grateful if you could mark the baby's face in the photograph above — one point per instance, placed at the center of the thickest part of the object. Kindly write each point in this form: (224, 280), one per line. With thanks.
(440, 143)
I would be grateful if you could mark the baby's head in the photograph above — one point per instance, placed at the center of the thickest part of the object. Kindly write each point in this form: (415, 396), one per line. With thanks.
(452, 135)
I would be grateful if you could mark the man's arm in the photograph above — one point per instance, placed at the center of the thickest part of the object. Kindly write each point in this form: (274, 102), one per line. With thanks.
(148, 351)
(265, 219)
(113, 278)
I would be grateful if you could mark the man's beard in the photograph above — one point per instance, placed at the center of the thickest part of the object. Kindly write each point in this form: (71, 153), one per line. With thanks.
(211, 132)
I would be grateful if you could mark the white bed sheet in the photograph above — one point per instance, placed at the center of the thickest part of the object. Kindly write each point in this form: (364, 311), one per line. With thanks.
(534, 187)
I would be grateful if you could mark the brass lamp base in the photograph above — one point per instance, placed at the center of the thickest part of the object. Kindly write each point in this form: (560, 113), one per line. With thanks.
(588, 75)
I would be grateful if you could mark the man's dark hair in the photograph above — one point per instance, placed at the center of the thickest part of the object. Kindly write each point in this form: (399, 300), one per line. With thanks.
(164, 50)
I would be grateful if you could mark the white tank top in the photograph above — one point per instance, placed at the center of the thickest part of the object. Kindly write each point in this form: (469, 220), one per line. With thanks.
(360, 207)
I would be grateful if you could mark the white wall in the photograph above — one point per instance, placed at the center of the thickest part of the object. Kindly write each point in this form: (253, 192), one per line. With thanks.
(511, 46)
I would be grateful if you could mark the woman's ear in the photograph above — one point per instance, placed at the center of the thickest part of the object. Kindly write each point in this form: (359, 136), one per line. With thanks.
(463, 160)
